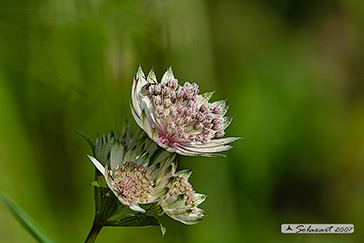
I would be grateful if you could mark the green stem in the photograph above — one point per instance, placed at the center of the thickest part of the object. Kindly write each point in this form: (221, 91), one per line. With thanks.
(96, 227)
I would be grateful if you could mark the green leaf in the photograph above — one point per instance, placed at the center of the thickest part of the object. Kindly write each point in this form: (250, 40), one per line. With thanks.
(137, 220)
(99, 182)
(106, 203)
(26, 220)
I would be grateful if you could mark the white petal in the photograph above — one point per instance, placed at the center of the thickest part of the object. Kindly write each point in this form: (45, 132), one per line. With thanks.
(143, 160)
(185, 152)
(136, 116)
(149, 112)
(130, 155)
(151, 77)
(167, 76)
(97, 164)
(169, 148)
(205, 97)
(136, 208)
(171, 203)
(200, 198)
(184, 173)
(109, 179)
(173, 207)
(215, 142)
(134, 100)
(186, 216)
(137, 84)
(154, 170)
(199, 149)
(146, 126)
(227, 121)
(166, 171)
(116, 155)
(158, 192)
(140, 80)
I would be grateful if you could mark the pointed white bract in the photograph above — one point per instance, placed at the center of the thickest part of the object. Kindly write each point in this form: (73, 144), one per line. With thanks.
(177, 117)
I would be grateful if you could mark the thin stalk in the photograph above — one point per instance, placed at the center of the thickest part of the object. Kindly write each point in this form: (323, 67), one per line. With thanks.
(96, 227)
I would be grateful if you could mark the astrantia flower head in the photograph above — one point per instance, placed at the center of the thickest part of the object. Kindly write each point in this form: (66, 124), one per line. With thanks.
(130, 175)
(139, 173)
(177, 117)
(181, 201)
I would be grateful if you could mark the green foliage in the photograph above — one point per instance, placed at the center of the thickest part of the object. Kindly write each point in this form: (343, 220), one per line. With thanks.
(136, 220)
(99, 182)
(26, 220)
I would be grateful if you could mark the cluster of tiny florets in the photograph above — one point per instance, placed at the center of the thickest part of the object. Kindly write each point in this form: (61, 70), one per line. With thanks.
(185, 116)
(182, 186)
(132, 182)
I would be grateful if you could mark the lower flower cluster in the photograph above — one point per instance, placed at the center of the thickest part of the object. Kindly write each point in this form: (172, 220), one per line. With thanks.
(144, 179)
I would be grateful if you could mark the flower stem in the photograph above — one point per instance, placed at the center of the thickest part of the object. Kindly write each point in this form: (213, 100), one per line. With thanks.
(96, 227)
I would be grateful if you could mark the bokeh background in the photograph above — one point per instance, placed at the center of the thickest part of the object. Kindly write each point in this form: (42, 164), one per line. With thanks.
(292, 72)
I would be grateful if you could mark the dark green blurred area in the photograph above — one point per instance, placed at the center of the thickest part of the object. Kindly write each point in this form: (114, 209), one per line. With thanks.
(292, 72)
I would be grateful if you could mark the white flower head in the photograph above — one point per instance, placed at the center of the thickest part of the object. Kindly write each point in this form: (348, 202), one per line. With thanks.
(134, 172)
(130, 176)
(181, 201)
(177, 117)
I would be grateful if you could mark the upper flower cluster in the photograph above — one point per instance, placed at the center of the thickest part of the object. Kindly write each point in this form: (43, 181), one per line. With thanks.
(177, 117)
(138, 173)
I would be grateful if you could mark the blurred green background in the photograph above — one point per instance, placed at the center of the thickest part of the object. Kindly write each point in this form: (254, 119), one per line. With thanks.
(292, 72)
